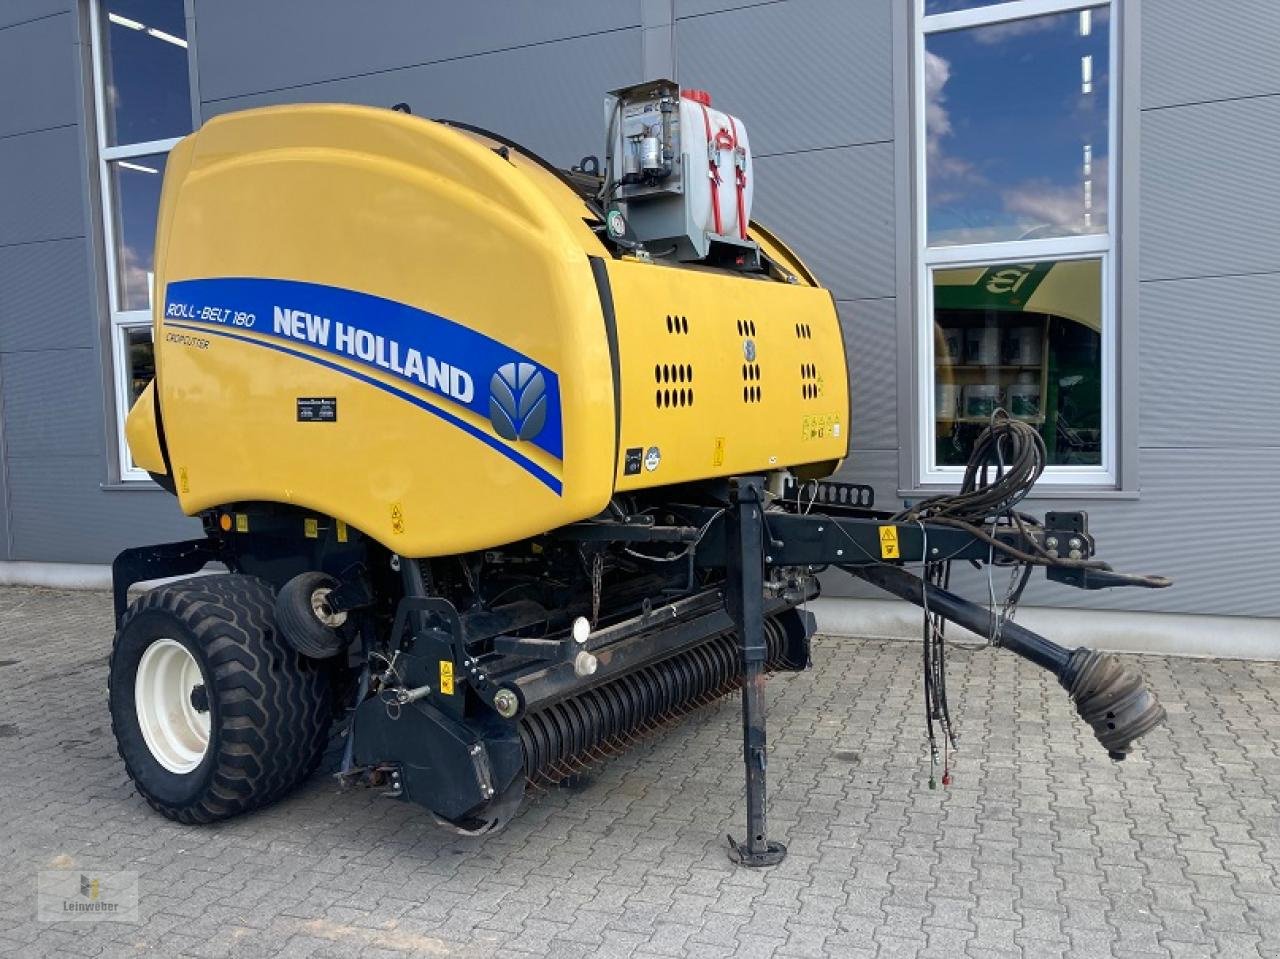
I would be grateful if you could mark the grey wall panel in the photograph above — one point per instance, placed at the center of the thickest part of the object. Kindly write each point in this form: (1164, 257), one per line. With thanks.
(46, 296)
(697, 8)
(1210, 349)
(21, 11)
(4, 514)
(835, 208)
(804, 74)
(4, 481)
(551, 102)
(875, 468)
(42, 198)
(1209, 206)
(52, 403)
(250, 47)
(39, 79)
(61, 515)
(1218, 547)
(871, 346)
(1194, 51)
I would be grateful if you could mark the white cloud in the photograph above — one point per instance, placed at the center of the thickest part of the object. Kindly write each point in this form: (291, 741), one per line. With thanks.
(134, 279)
(1060, 209)
(1056, 209)
(999, 32)
(937, 71)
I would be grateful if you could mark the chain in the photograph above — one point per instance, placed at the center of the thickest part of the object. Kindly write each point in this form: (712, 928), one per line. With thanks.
(597, 573)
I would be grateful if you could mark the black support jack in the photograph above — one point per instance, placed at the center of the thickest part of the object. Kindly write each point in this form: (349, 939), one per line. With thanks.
(744, 592)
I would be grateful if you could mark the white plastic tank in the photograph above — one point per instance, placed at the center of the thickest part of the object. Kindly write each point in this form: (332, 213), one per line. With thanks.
(721, 180)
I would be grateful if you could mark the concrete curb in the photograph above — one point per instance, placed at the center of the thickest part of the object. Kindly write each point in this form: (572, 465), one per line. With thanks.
(55, 575)
(1164, 634)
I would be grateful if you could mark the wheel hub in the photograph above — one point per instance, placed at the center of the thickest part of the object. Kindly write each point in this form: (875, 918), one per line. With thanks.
(200, 698)
(172, 705)
(324, 612)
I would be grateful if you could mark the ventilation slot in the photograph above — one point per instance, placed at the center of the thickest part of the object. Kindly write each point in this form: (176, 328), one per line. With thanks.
(674, 383)
(804, 331)
(751, 382)
(746, 327)
(678, 325)
(810, 387)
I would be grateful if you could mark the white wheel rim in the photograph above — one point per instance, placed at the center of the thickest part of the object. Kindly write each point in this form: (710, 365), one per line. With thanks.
(175, 731)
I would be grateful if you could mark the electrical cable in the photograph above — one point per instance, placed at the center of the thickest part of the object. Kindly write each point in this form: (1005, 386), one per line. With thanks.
(1007, 459)
(702, 532)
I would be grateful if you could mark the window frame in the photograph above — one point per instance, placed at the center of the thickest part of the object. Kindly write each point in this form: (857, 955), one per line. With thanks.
(1103, 246)
(120, 321)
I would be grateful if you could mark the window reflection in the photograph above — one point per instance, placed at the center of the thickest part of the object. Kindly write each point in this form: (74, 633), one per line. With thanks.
(1016, 119)
(136, 194)
(148, 94)
(140, 359)
(1025, 337)
(947, 6)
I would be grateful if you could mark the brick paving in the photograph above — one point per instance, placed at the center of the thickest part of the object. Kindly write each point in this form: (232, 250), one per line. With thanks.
(1041, 847)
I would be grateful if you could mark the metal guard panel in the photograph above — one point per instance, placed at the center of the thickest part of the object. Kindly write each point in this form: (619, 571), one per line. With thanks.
(420, 238)
(725, 374)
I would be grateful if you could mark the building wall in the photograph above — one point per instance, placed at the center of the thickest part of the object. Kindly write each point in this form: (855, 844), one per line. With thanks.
(1208, 271)
(816, 80)
(821, 86)
(53, 384)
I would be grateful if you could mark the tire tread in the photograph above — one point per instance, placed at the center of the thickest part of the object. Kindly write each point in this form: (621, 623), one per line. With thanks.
(273, 705)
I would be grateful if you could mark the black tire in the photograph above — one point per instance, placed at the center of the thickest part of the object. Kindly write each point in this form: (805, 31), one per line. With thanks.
(298, 622)
(269, 708)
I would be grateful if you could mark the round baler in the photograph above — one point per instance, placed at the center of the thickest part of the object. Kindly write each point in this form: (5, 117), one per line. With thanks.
(506, 464)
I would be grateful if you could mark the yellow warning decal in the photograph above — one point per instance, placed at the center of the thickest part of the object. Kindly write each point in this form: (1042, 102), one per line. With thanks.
(342, 531)
(183, 485)
(311, 528)
(446, 676)
(397, 518)
(242, 523)
(889, 542)
(717, 458)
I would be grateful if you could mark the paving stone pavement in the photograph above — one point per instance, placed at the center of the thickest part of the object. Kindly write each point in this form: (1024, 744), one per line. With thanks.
(1041, 847)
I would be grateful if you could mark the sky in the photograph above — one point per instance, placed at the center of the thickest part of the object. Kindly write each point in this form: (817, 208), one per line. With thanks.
(1008, 117)
(148, 98)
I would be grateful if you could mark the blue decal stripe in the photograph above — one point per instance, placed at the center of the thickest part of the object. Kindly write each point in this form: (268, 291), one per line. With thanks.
(419, 348)
(523, 462)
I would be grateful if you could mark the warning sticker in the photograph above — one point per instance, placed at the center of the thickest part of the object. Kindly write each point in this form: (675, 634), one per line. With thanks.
(311, 527)
(889, 542)
(446, 677)
(242, 522)
(342, 531)
(819, 426)
(397, 518)
(717, 457)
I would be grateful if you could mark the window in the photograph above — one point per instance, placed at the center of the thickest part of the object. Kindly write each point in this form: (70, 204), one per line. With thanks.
(143, 101)
(1015, 118)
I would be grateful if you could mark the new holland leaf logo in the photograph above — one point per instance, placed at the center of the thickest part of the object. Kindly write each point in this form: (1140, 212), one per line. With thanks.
(518, 401)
